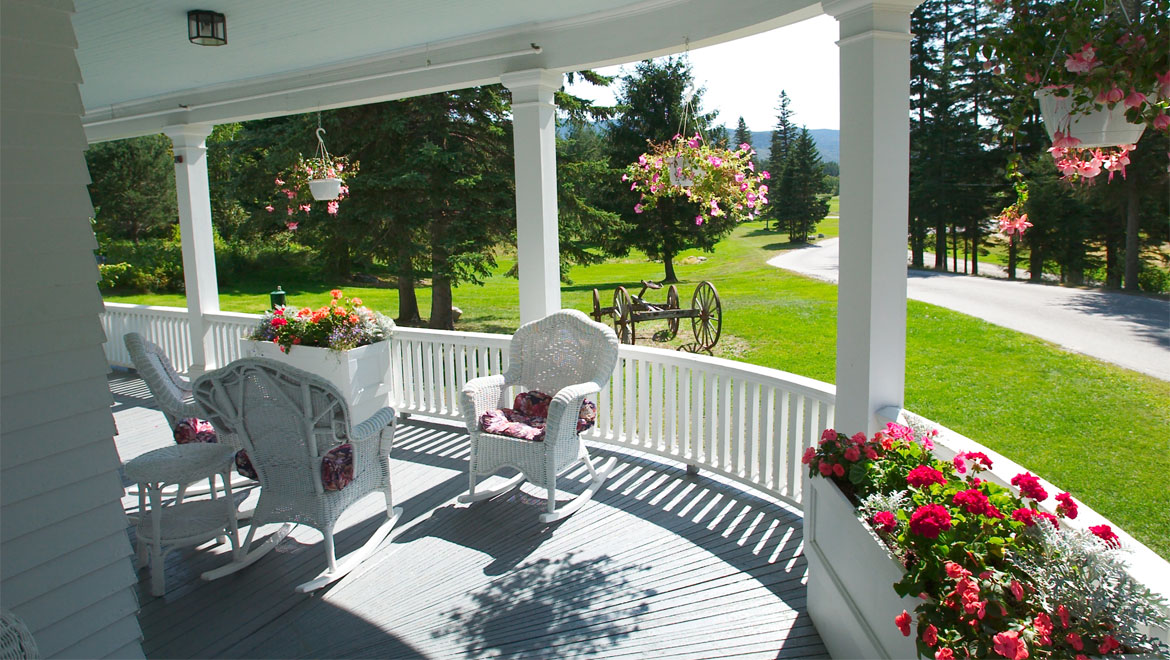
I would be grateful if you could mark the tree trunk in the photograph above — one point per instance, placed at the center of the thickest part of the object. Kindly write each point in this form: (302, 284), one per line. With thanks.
(408, 313)
(1012, 255)
(955, 247)
(1036, 265)
(668, 263)
(917, 243)
(940, 246)
(976, 239)
(1132, 244)
(1112, 271)
(441, 317)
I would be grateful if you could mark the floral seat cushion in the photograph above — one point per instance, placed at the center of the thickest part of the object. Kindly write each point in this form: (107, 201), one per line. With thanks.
(527, 418)
(193, 429)
(336, 467)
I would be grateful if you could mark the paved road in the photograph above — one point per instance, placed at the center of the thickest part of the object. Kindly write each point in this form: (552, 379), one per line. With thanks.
(1127, 330)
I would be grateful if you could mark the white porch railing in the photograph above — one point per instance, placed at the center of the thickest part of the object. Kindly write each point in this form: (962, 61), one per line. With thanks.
(745, 422)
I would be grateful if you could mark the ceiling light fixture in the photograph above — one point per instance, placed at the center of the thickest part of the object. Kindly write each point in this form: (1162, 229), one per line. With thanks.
(206, 28)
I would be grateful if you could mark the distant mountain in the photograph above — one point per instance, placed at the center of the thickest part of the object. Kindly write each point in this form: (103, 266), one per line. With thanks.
(828, 141)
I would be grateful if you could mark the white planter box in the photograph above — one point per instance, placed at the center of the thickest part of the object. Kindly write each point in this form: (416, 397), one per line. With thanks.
(1101, 128)
(361, 373)
(851, 578)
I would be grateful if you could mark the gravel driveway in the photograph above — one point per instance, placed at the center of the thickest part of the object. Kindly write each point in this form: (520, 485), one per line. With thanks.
(1127, 330)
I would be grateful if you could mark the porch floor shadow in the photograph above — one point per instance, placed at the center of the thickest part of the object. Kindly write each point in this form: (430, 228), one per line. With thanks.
(660, 564)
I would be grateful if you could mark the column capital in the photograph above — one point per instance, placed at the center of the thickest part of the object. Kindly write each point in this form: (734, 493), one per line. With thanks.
(839, 8)
(532, 85)
(188, 135)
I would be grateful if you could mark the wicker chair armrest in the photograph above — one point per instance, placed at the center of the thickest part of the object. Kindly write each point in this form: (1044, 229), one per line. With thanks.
(374, 427)
(565, 407)
(480, 395)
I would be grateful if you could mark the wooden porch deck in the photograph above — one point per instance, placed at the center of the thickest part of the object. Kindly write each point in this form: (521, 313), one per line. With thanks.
(659, 565)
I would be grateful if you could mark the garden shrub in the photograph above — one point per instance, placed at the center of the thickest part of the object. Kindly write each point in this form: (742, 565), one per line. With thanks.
(1153, 279)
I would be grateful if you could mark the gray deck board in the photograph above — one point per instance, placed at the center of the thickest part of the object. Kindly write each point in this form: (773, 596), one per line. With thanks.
(660, 564)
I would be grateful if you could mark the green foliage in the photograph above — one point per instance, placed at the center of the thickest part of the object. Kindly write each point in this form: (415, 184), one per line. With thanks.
(800, 202)
(654, 107)
(589, 233)
(1154, 279)
(784, 135)
(133, 187)
(112, 275)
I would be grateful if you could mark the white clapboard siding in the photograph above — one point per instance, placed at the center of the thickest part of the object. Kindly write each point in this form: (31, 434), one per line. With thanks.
(65, 564)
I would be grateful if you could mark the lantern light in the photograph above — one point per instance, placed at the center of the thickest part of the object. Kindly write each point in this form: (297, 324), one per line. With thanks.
(206, 28)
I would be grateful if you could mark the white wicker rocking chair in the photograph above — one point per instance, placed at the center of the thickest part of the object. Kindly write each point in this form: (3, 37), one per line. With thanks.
(568, 356)
(288, 420)
(172, 394)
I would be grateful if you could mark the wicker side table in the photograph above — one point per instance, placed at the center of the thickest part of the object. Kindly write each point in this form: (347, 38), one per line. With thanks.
(188, 523)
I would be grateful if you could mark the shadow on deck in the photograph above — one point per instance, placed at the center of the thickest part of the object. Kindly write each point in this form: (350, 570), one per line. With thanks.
(660, 564)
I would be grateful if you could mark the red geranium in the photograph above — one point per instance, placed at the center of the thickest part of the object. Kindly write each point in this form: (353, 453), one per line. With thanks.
(1029, 485)
(1105, 533)
(903, 622)
(924, 475)
(885, 521)
(1009, 645)
(1067, 507)
(930, 520)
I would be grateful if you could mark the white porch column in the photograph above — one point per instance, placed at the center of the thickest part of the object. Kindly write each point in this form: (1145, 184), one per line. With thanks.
(194, 197)
(875, 172)
(537, 242)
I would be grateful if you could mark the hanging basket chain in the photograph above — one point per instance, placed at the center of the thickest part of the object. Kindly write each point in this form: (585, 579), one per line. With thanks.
(322, 152)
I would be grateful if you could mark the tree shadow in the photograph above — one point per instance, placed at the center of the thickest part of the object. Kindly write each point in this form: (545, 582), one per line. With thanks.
(547, 606)
(787, 245)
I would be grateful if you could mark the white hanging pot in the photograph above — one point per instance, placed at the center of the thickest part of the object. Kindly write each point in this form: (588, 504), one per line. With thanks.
(680, 170)
(1100, 127)
(325, 189)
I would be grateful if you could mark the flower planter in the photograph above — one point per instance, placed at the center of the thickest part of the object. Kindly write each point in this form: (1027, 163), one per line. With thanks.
(325, 189)
(360, 373)
(682, 172)
(851, 596)
(1098, 128)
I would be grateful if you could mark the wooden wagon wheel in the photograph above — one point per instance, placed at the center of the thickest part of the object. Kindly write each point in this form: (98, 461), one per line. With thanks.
(707, 323)
(623, 315)
(596, 306)
(672, 303)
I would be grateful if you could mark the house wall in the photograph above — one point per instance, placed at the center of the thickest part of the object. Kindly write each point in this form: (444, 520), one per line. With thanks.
(65, 564)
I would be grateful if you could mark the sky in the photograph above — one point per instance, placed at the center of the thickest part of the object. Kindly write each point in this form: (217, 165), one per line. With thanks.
(744, 77)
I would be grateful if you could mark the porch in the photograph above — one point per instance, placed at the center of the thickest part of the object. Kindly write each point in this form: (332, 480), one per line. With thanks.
(662, 563)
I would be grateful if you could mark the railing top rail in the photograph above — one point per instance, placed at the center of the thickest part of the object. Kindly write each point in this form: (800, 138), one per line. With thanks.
(794, 382)
(458, 336)
(154, 309)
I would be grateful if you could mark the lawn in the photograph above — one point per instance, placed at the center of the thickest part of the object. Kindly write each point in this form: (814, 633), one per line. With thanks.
(1058, 413)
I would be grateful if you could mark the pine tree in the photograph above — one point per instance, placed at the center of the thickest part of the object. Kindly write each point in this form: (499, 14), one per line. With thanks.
(654, 107)
(801, 185)
(783, 137)
(133, 189)
(742, 134)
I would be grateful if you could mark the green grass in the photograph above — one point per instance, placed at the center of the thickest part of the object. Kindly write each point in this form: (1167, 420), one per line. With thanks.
(1066, 417)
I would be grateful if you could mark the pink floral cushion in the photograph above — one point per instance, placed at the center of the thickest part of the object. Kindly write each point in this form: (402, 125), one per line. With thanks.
(244, 465)
(193, 429)
(337, 467)
(532, 404)
(527, 418)
(513, 424)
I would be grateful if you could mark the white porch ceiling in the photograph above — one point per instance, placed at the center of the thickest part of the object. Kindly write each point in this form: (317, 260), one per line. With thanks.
(285, 56)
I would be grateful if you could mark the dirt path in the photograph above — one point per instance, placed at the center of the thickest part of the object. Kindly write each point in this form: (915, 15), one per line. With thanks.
(1127, 330)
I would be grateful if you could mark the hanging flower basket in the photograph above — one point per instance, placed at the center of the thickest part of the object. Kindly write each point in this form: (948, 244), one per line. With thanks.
(718, 182)
(1100, 127)
(325, 189)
